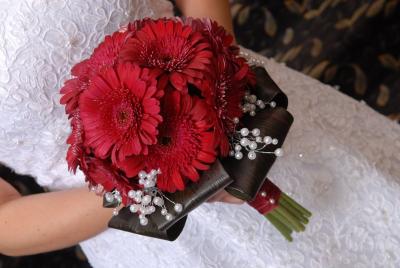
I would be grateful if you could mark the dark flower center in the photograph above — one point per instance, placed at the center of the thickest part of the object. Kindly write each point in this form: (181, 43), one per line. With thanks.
(172, 55)
(128, 114)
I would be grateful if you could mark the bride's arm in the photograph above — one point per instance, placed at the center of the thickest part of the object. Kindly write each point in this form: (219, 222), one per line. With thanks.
(218, 10)
(49, 221)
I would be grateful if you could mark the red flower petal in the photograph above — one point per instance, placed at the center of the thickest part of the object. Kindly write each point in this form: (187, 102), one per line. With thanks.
(171, 46)
(113, 112)
(183, 147)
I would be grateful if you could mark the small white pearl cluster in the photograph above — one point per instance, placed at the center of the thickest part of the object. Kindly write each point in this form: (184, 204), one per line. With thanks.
(251, 103)
(147, 200)
(114, 196)
(252, 142)
(271, 200)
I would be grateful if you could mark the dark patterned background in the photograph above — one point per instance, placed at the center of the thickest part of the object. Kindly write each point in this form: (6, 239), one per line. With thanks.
(352, 45)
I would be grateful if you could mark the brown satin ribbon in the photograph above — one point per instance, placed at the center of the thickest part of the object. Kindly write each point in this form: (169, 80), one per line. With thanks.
(211, 182)
(242, 179)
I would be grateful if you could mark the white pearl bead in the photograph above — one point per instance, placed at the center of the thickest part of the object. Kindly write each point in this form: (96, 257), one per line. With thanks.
(259, 102)
(231, 153)
(146, 200)
(278, 152)
(262, 105)
(256, 132)
(236, 120)
(132, 194)
(272, 104)
(149, 183)
(178, 207)
(272, 201)
(168, 217)
(142, 216)
(139, 193)
(153, 172)
(275, 141)
(138, 199)
(164, 212)
(151, 209)
(252, 113)
(118, 198)
(115, 212)
(134, 208)
(244, 142)
(238, 147)
(143, 209)
(253, 145)
(158, 201)
(251, 155)
(144, 221)
(142, 174)
(109, 197)
(238, 155)
(263, 194)
(252, 98)
(267, 139)
(244, 132)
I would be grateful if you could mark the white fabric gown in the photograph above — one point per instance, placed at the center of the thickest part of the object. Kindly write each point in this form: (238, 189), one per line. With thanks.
(342, 159)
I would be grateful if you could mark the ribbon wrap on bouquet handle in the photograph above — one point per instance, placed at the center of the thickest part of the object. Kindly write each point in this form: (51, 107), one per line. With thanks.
(211, 182)
(249, 175)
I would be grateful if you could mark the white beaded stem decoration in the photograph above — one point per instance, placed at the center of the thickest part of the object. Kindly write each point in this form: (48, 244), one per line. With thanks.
(251, 140)
(253, 143)
(147, 200)
(252, 104)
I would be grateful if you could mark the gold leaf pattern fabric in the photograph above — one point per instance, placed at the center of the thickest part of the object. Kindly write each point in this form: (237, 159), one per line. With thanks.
(353, 45)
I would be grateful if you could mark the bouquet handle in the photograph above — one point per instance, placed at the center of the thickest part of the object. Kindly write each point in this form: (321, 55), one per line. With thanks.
(211, 182)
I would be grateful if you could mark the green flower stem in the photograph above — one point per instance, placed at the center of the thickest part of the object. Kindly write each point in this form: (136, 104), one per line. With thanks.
(282, 219)
(289, 216)
(283, 229)
(293, 211)
(296, 205)
(298, 227)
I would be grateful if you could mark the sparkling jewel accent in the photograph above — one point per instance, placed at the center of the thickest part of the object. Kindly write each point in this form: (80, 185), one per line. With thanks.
(146, 200)
(253, 143)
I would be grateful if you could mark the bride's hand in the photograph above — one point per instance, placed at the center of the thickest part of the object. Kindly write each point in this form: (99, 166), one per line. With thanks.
(224, 196)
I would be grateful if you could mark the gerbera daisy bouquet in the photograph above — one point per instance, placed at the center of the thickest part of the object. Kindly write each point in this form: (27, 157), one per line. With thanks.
(164, 114)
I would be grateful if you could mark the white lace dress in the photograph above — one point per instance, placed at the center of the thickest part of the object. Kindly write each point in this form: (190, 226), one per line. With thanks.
(342, 159)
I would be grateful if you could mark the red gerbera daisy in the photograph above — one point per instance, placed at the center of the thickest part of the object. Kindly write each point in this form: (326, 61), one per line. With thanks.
(221, 42)
(185, 144)
(225, 96)
(106, 54)
(172, 47)
(75, 140)
(120, 111)
(100, 172)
